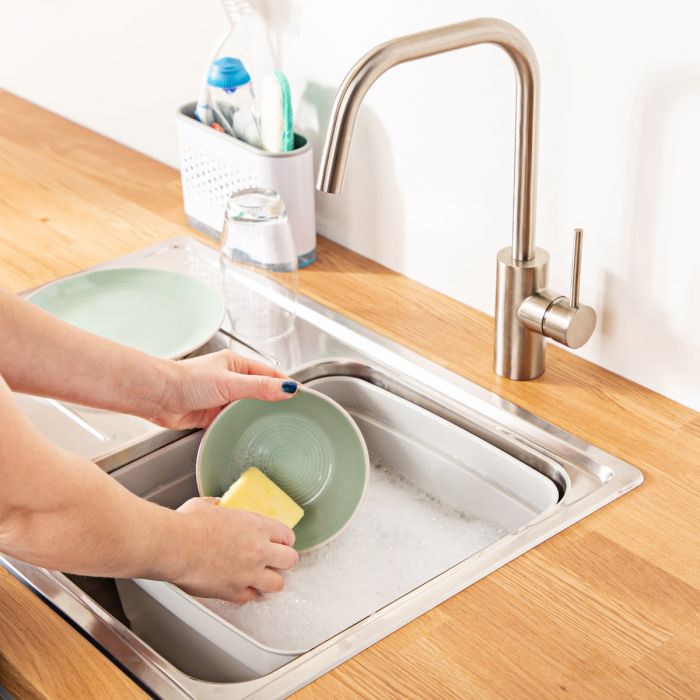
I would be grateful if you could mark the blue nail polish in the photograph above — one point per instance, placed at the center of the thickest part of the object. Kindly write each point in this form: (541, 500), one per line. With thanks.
(289, 387)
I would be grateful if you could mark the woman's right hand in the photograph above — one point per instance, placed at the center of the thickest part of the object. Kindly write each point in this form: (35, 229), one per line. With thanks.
(238, 554)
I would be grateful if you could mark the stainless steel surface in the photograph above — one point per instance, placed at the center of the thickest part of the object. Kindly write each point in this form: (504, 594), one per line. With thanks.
(570, 322)
(553, 315)
(264, 356)
(518, 344)
(428, 43)
(427, 449)
(518, 349)
(108, 438)
(568, 325)
(78, 419)
(532, 310)
(326, 344)
(576, 267)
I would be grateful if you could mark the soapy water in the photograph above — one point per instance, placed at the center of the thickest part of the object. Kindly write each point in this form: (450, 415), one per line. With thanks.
(400, 538)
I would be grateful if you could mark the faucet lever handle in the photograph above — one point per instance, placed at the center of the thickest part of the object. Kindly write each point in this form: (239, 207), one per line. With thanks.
(576, 267)
(555, 316)
(567, 321)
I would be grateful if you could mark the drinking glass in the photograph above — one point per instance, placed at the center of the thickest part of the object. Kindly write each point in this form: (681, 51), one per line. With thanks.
(258, 265)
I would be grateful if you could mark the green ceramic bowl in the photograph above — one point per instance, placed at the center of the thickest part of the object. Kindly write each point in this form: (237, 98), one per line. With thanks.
(309, 446)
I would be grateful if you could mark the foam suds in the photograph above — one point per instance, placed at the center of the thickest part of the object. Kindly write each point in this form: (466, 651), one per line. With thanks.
(400, 538)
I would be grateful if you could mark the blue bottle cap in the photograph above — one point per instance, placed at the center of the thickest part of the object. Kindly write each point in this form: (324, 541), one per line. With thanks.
(228, 73)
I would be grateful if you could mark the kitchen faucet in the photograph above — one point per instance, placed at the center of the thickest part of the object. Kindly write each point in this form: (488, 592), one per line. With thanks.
(526, 310)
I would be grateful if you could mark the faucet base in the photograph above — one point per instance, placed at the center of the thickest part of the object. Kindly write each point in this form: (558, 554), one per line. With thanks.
(518, 351)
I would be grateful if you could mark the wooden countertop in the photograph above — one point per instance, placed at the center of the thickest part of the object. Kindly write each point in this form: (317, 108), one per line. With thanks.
(608, 608)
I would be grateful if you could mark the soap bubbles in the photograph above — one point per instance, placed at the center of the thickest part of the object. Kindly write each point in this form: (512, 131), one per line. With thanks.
(400, 538)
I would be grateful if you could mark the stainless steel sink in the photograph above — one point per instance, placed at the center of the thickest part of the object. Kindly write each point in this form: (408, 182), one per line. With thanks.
(155, 643)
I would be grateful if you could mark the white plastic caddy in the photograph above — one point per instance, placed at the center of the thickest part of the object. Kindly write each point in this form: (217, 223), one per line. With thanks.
(214, 165)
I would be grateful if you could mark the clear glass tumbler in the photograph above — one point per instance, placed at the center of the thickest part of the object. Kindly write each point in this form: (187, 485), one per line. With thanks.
(258, 266)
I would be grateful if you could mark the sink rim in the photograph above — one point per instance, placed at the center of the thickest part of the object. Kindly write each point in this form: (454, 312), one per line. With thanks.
(53, 586)
(589, 478)
(458, 414)
(196, 615)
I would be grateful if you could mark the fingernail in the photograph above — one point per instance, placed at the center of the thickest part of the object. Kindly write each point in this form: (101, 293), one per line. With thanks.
(289, 387)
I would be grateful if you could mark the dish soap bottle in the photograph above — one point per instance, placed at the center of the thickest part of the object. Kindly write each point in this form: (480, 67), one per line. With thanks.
(231, 100)
(246, 39)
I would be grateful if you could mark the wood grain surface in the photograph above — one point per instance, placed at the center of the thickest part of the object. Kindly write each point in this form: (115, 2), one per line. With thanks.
(609, 608)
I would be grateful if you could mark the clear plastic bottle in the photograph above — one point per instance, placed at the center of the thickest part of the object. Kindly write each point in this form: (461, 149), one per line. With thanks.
(232, 100)
(248, 39)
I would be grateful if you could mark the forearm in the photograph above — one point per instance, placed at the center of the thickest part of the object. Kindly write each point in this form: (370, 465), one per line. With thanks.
(43, 355)
(61, 511)
(95, 527)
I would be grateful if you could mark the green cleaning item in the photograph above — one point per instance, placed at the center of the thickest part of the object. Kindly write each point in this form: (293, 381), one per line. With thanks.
(277, 130)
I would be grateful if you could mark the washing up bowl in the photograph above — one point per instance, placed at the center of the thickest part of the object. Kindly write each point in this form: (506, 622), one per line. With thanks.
(461, 483)
(437, 495)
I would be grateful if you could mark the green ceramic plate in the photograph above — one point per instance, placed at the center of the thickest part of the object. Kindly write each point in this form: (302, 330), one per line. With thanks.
(163, 313)
(309, 446)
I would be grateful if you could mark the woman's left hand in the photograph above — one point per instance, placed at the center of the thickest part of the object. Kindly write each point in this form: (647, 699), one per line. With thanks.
(199, 388)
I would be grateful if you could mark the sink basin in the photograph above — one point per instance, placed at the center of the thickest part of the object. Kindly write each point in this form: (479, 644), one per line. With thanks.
(463, 483)
(426, 469)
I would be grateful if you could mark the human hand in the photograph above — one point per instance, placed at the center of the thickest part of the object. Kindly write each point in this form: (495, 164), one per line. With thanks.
(243, 554)
(199, 388)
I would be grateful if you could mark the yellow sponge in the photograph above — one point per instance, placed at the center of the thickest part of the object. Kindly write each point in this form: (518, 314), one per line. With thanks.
(254, 492)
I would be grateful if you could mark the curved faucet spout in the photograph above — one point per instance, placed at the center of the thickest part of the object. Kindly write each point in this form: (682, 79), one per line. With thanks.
(526, 310)
(428, 43)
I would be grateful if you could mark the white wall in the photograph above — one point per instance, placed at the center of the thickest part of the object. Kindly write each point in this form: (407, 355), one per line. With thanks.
(429, 183)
